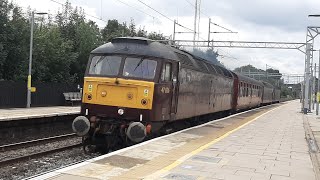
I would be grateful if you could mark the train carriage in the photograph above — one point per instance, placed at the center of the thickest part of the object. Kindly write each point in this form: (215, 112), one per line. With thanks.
(276, 97)
(268, 93)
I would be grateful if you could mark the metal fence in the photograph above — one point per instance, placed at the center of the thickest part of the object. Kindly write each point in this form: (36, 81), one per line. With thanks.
(14, 94)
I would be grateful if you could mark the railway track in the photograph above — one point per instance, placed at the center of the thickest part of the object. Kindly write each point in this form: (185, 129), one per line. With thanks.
(34, 142)
(4, 161)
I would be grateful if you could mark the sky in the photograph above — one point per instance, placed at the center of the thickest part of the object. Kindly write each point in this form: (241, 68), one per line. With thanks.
(254, 20)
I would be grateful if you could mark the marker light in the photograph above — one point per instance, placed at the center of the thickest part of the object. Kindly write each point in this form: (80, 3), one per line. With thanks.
(120, 112)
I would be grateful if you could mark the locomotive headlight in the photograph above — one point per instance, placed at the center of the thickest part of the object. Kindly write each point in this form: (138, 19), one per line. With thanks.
(120, 112)
(103, 93)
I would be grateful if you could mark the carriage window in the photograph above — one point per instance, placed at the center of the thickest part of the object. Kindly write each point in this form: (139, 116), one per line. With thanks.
(166, 72)
(139, 67)
(105, 65)
(247, 90)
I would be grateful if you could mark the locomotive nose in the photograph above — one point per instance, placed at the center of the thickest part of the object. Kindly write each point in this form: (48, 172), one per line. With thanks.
(81, 125)
(136, 132)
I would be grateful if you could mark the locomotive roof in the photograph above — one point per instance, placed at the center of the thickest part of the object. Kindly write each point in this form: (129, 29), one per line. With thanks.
(267, 84)
(248, 80)
(146, 47)
(136, 46)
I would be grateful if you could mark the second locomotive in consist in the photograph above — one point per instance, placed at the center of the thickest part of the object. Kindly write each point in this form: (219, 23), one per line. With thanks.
(135, 86)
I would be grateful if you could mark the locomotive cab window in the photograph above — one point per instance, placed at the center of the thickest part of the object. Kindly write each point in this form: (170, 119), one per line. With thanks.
(139, 68)
(166, 74)
(105, 65)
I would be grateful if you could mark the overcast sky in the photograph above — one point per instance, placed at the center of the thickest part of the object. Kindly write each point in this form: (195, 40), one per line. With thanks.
(255, 20)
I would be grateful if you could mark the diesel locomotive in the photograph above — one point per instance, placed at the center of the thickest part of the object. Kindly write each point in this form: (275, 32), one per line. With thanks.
(135, 86)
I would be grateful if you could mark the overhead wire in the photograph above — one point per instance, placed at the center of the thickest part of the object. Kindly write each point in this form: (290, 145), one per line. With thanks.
(27, 9)
(137, 9)
(155, 10)
(201, 11)
(222, 27)
(95, 17)
(165, 16)
(199, 8)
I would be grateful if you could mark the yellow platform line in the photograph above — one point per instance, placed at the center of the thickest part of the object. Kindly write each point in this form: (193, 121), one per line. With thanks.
(182, 159)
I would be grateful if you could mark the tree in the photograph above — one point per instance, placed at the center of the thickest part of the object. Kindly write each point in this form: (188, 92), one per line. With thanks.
(84, 36)
(53, 56)
(274, 72)
(16, 37)
(209, 55)
(132, 28)
(156, 36)
(89, 38)
(142, 32)
(114, 29)
(5, 9)
(260, 74)
(62, 44)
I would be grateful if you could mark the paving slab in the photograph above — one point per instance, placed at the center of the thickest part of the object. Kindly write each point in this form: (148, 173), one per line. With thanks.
(37, 112)
(265, 144)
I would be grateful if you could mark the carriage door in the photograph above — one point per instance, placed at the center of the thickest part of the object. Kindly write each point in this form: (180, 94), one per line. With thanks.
(169, 78)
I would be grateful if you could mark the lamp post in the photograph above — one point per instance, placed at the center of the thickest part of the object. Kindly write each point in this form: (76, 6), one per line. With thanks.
(30, 58)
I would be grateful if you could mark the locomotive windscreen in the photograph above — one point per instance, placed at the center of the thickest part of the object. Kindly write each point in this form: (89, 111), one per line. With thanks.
(135, 67)
(139, 67)
(105, 65)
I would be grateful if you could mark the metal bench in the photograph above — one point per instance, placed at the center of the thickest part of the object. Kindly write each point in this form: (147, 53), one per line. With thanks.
(72, 97)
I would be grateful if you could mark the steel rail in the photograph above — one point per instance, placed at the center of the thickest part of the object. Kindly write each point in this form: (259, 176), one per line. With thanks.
(36, 155)
(32, 142)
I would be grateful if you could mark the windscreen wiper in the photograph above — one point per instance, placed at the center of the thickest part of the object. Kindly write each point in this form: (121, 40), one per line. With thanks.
(139, 63)
(99, 60)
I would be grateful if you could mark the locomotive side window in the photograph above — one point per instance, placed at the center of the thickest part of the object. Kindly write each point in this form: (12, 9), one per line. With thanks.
(139, 67)
(105, 65)
(166, 72)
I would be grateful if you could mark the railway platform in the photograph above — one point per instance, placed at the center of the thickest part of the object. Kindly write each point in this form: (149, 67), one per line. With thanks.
(37, 112)
(265, 143)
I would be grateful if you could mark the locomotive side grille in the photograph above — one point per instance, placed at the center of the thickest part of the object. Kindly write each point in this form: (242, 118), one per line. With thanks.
(223, 71)
(211, 69)
(201, 66)
(185, 60)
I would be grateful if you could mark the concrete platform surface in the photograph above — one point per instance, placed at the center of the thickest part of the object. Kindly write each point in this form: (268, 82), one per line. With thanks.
(37, 112)
(267, 143)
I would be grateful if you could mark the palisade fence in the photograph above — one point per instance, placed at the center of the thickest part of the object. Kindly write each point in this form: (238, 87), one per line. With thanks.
(14, 94)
